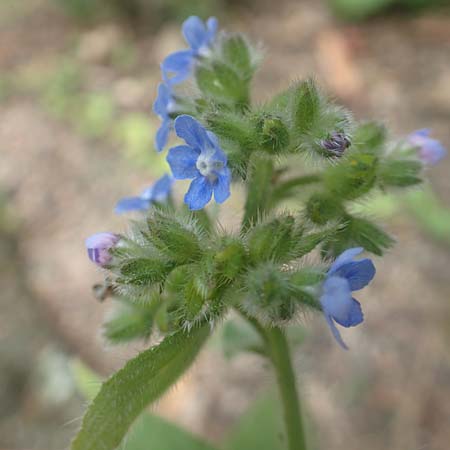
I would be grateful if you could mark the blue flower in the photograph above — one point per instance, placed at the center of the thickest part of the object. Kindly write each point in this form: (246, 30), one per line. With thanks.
(164, 105)
(157, 193)
(98, 246)
(178, 66)
(431, 151)
(344, 276)
(201, 159)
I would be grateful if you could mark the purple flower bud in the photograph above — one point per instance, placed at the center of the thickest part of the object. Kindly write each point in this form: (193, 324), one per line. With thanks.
(430, 151)
(336, 143)
(98, 246)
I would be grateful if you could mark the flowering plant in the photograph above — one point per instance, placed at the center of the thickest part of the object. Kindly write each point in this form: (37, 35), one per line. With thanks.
(178, 269)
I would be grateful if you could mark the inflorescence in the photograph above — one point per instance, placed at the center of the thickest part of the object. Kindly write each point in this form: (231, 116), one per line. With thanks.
(178, 266)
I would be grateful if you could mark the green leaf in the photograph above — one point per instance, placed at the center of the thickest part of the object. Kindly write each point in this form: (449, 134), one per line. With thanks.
(155, 433)
(222, 83)
(237, 54)
(400, 173)
(369, 136)
(144, 271)
(131, 320)
(358, 232)
(306, 104)
(140, 382)
(261, 427)
(259, 188)
(274, 240)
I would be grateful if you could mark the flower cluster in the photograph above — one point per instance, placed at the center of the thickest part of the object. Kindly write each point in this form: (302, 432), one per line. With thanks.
(197, 269)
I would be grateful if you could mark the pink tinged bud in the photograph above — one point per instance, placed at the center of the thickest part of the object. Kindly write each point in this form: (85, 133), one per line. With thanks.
(430, 150)
(98, 246)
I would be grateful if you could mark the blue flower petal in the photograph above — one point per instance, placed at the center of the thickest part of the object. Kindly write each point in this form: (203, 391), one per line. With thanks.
(222, 186)
(161, 189)
(336, 299)
(199, 193)
(432, 152)
(212, 25)
(194, 31)
(182, 160)
(358, 273)
(162, 101)
(335, 332)
(162, 135)
(355, 315)
(424, 132)
(344, 258)
(191, 131)
(131, 204)
(177, 66)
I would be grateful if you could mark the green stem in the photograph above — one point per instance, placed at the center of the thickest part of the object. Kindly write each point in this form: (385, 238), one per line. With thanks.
(278, 352)
(281, 360)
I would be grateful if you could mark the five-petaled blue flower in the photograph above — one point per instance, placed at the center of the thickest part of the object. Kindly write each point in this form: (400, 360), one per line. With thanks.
(98, 246)
(431, 151)
(157, 193)
(164, 105)
(201, 159)
(178, 66)
(344, 276)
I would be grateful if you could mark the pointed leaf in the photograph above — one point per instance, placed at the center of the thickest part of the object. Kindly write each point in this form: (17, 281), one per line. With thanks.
(140, 382)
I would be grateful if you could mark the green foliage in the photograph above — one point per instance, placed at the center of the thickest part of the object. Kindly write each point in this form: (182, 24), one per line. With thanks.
(179, 270)
(151, 432)
(259, 187)
(142, 380)
(354, 177)
(236, 53)
(272, 241)
(273, 133)
(321, 208)
(222, 83)
(306, 104)
(400, 173)
(131, 321)
(358, 232)
(261, 427)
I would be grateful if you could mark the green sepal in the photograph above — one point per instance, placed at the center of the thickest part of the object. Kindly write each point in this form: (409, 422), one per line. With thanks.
(305, 283)
(143, 271)
(273, 240)
(273, 134)
(400, 173)
(259, 186)
(222, 84)
(306, 104)
(139, 383)
(177, 237)
(369, 137)
(237, 54)
(353, 177)
(358, 232)
(323, 207)
(230, 259)
(269, 296)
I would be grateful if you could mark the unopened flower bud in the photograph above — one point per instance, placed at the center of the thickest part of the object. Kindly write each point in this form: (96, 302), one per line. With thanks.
(98, 246)
(336, 144)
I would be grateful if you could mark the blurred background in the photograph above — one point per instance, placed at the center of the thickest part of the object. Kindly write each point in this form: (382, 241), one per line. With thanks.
(77, 81)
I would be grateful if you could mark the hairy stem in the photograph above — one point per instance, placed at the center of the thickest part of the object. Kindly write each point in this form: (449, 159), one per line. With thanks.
(281, 360)
(278, 352)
